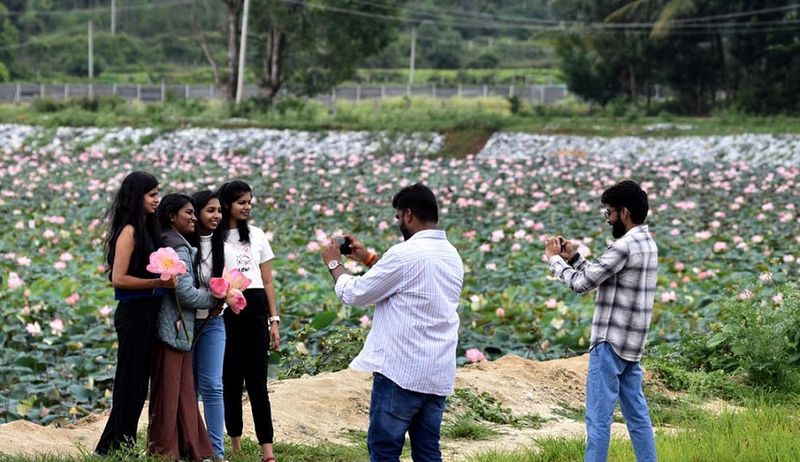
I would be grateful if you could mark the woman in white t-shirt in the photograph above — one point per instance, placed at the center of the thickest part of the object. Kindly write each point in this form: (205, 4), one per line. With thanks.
(253, 332)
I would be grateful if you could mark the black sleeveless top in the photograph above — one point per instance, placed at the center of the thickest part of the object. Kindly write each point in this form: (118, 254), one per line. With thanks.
(138, 268)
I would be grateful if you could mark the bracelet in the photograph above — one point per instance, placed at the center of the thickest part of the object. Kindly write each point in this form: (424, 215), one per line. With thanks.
(274, 319)
(370, 259)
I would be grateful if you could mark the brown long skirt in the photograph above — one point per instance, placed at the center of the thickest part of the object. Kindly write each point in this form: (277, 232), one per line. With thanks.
(176, 427)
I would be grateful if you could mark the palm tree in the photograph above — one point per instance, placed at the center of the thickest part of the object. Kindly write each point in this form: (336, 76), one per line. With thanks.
(664, 11)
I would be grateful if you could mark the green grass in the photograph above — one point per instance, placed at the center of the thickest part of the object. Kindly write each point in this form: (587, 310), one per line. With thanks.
(571, 412)
(450, 77)
(203, 75)
(760, 433)
(467, 121)
(466, 428)
(286, 452)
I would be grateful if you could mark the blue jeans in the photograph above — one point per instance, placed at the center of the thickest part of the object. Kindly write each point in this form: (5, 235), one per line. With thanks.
(208, 353)
(613, 379)
(393, 411)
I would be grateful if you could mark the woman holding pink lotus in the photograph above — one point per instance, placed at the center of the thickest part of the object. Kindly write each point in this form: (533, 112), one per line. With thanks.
(255, 330)
(176, 428)
(209, 329)
(133, 234)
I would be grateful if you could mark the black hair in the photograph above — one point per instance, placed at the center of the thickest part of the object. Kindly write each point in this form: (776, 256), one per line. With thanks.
(229, 193)
(128, 209)
(200, 200)
(169, 206)
(420, 200)
(629, 195)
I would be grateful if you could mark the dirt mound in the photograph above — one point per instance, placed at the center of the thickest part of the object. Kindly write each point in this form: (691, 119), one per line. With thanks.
(328, 406)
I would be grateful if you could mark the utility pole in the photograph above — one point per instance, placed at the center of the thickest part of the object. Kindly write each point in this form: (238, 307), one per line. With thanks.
(413, 55)
(240, 79)
(113, 17)
(91, 52)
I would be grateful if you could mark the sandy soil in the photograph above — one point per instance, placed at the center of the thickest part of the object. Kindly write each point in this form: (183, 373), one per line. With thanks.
(328, 406)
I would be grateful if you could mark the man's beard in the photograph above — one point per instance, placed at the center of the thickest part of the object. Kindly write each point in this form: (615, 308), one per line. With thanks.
(404, 231)
(618, 229)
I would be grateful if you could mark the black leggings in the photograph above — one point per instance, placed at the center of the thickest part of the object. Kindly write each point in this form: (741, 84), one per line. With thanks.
(246, 361)
(135, 322)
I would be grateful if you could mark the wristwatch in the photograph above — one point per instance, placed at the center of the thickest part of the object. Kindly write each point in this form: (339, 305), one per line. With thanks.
(274, 319)
(333, 264)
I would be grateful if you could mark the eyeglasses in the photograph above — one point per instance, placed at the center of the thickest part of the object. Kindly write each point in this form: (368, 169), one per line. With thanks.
(607, 213)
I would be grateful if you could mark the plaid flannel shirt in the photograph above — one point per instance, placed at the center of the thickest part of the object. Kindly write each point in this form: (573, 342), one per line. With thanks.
(625, 278)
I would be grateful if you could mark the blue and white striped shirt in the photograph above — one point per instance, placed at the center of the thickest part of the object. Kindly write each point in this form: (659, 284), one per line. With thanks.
(415, 288)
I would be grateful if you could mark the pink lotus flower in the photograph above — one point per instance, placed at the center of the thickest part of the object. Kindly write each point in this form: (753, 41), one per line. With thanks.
(551, 303)
(166, 262)
(57, 326)
(14, 281)
(230, 287)
(236, 279)
(219, 287)
(105, 311)
(777, 299)
(236, 301)
(720, 246)
(34, 329)
(474, 355)
(72, 299)
(668, 297)
(501, 313)
(365, 322)
(745, 295)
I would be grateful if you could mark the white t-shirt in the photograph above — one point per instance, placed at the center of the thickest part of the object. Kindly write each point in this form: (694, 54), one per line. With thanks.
(248, 256)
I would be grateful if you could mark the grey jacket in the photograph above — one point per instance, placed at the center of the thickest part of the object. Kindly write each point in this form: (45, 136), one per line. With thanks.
(192, 298)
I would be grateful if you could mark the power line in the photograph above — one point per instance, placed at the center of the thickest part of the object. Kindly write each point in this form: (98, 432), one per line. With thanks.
(740, 14)
(100, 9)
(567, 26)
(527, 22)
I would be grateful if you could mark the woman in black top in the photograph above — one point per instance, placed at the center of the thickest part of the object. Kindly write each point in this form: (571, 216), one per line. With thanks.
(133, 234)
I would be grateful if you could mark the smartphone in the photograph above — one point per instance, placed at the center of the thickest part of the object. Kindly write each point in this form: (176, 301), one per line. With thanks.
(344, 245)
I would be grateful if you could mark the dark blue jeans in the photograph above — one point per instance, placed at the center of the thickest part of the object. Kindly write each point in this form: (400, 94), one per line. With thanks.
(394, 411)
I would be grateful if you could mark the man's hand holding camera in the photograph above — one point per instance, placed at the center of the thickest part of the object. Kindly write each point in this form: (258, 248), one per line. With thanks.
(349, 246)
(560, 246)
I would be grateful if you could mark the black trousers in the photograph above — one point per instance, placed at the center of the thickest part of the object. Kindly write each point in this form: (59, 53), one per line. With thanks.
(246, 362)
(135, 323)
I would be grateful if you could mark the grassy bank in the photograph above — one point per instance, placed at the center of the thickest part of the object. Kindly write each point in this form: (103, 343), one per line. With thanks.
(759, 433)
(473, 118)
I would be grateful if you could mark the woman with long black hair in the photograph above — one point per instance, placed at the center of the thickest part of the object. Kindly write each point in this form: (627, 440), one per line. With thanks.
(209, 348)
(132, 235)
(176, 427)
(253, 332)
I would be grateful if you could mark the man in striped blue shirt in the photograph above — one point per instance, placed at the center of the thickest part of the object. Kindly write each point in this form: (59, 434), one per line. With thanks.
(625, 279)
(411, 349)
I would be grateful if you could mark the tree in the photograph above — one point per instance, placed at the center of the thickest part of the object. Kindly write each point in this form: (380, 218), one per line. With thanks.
(8, 38)
(310, 47)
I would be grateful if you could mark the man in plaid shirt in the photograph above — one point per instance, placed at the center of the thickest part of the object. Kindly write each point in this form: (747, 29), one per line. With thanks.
(625, 279)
